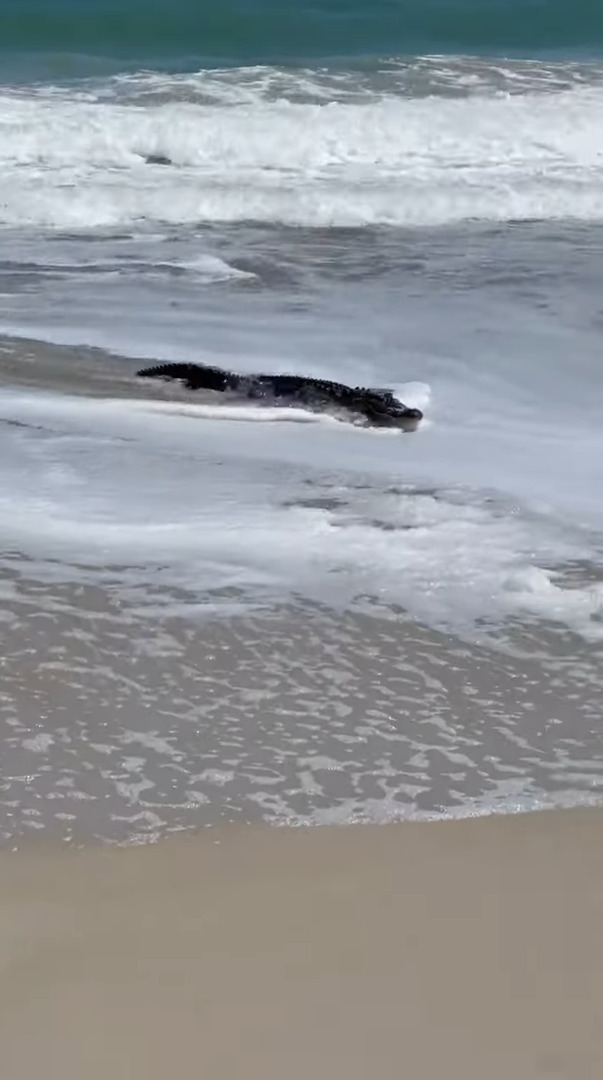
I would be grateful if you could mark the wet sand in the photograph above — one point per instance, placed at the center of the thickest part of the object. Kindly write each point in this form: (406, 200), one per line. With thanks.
(468, 950)
(25, 362)
(129, 710)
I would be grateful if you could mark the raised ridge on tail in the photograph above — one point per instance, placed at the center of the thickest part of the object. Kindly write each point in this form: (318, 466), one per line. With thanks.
(196, 376)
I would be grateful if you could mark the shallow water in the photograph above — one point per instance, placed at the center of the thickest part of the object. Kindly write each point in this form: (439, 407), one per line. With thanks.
(131, 711)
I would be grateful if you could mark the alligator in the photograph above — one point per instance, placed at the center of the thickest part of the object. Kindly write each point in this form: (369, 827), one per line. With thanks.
(375, 407)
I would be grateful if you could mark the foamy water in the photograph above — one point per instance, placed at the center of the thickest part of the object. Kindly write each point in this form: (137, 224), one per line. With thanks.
(282, 503)
(238, 152)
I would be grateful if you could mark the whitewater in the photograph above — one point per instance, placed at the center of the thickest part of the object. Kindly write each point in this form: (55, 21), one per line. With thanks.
(245, 148)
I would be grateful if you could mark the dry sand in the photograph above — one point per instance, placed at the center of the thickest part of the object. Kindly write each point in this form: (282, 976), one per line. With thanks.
(469, 950)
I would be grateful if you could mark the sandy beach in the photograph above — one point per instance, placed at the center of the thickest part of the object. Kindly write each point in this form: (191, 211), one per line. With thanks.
(467, 950)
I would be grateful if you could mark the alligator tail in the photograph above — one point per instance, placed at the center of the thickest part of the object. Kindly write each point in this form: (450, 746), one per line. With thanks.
(195, 376)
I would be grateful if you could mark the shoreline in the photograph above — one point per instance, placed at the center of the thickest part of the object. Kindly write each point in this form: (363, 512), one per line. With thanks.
(466, 949)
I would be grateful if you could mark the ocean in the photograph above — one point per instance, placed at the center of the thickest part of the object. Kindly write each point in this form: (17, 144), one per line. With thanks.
(219, 612)
(72, 37)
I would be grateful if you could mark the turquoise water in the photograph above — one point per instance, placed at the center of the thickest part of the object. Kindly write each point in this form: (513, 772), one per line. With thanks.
(71, 36)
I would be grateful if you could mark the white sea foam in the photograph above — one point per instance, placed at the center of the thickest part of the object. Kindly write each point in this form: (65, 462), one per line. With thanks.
(248, 414)
(144, 484)
(79, 163)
